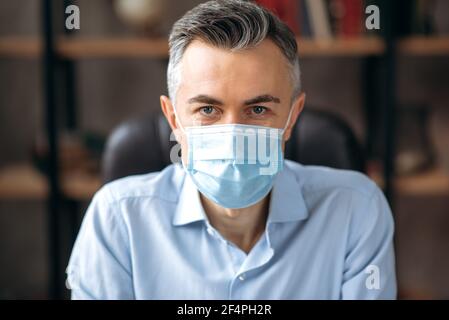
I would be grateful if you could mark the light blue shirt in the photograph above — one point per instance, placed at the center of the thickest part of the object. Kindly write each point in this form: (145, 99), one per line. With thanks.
(328, 236)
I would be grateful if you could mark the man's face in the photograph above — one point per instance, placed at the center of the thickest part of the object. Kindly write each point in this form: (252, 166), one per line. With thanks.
(219, 86)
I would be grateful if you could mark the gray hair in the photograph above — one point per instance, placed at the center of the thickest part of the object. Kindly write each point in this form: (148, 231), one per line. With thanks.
(234, 25)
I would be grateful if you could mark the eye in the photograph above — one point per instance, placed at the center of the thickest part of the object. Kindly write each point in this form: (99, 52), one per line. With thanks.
(207, 110)
(258, 110)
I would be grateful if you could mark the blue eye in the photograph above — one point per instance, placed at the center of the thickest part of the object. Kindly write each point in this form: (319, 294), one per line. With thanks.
(207, 110)
(259, 109)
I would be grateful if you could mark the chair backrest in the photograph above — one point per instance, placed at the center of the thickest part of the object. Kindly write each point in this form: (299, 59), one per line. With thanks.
(138, 145)
(322, 138)
(143, 144)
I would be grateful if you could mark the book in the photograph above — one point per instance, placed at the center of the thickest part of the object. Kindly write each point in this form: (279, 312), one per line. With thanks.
(319, 19)
(352, 19)
(305, 29)
(286, 10)
(346, 17)
(336, 14)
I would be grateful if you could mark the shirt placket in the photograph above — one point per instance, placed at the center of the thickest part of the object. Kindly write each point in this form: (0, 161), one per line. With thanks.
(241, 263)
(246, 264)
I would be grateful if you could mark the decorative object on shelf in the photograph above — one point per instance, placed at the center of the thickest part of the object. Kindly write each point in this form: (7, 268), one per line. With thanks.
(141, 15)
(414, 147)
(78, 152)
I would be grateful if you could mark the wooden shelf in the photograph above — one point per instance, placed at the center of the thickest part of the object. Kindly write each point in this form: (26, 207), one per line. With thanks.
(113, 48)
(84, 48)
(158, 47)
(80, 186)
(433, 182)
(424, 46)
(23, 182)
(20, 47)
(350, 47)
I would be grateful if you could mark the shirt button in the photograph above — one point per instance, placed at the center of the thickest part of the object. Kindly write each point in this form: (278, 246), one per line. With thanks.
(210, 231)
(242, 277)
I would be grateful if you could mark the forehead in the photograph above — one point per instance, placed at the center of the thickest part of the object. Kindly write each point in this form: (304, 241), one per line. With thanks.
(207, 69)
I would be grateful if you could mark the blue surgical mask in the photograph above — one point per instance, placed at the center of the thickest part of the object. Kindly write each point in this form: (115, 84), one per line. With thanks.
(234, 165)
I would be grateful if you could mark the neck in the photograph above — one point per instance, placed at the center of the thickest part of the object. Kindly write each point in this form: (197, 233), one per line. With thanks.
(243, 227)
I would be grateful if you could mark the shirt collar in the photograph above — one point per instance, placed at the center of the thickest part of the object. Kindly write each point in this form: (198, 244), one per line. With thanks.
(189, 208)
(286, 203)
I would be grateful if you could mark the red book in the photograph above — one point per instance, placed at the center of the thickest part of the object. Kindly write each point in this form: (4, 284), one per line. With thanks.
(352, 19)
(286, 10)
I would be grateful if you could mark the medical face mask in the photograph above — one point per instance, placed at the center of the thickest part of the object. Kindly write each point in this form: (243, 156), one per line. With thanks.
(234, 165)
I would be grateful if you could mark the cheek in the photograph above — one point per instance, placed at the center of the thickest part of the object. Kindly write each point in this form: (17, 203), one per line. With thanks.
(181, 141)
(184, 149)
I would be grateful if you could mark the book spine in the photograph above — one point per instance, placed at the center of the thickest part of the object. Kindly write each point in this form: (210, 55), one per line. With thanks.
(336, 14)
(352, 20)
(286, 10)
(304, 20)
(319, 19)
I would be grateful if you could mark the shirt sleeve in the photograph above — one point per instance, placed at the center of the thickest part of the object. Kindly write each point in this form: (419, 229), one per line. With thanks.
(100, 267)
(370, 261)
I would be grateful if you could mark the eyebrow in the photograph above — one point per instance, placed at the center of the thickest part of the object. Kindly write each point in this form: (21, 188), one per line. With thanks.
(261, 99)
(205, 99)
(264, 98)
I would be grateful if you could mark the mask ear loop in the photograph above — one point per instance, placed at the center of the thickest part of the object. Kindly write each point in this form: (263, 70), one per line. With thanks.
(288, 121)
(190, 155)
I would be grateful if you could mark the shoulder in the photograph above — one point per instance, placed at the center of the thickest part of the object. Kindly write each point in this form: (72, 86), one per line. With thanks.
(325, 180)
(134, 200)
(163, 186)
(344, 195)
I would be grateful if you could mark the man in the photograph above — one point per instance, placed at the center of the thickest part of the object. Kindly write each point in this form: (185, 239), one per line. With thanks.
(232, 222)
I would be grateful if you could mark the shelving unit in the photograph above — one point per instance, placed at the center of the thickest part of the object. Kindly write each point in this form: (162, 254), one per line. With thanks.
(85, 48)
(24, 182)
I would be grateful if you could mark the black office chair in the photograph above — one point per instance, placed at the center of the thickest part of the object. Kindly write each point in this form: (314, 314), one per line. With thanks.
(142, 145)
(322, 138)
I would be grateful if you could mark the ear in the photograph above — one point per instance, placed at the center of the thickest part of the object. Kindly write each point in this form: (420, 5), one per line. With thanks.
(169, 113)
(297, 107)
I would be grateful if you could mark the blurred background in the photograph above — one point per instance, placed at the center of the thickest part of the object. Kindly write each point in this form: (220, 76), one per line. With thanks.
(63, 91)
